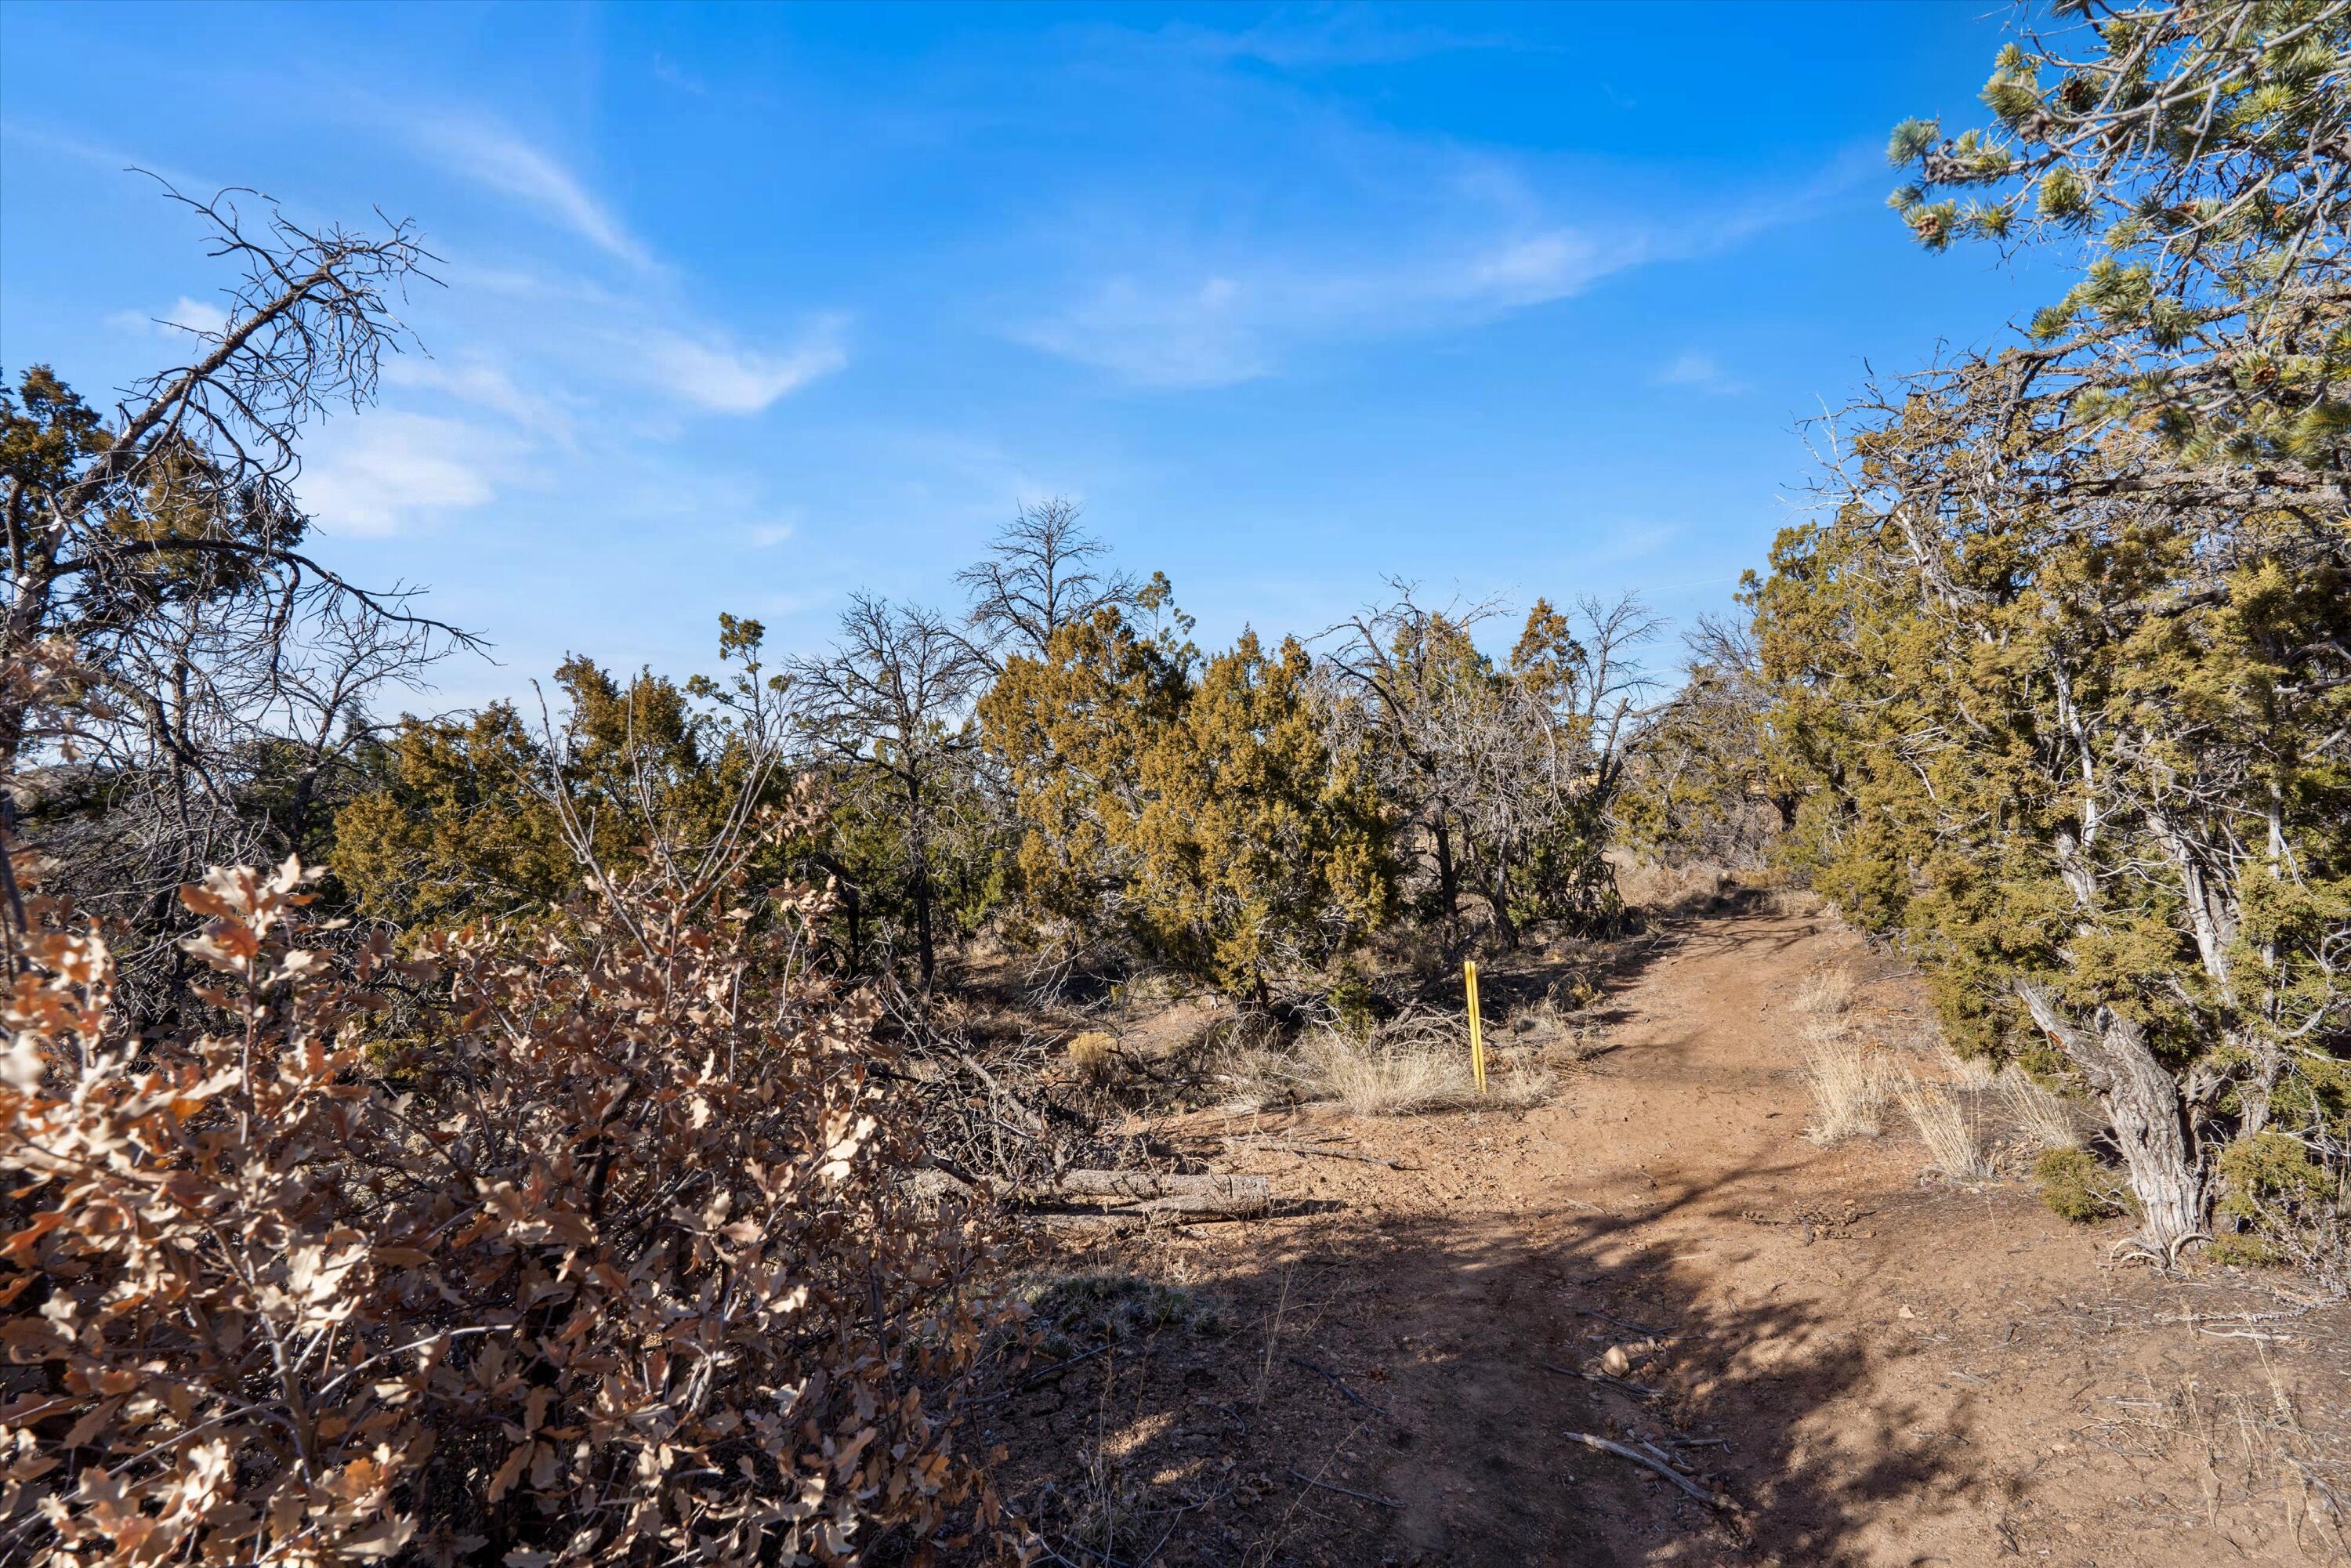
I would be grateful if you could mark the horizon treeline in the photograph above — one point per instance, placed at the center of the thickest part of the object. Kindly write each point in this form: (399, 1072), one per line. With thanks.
(1062, 765)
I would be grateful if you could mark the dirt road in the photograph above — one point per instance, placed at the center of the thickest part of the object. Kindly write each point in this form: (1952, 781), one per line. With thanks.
(1868, 1367)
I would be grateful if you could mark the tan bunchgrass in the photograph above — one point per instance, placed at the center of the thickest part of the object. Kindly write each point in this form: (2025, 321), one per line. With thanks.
(1417, 1062)
(1825, 999)
(1974, 1074)
(1849, 1084)
(2045, 1120)
(1550, 1029)
(1949, 1128)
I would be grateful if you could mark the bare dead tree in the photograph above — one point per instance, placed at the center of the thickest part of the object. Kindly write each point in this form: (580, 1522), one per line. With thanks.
(189, 493)
(1509, 771)
(1039, 575)
(1400, 657)
(890, 702)
(1612, 687)
(222, 675)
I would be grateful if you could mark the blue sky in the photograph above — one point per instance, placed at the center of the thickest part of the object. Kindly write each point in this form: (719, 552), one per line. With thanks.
(747, 307)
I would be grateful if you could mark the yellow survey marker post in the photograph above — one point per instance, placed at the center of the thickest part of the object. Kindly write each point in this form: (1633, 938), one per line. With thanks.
(1477, 1036)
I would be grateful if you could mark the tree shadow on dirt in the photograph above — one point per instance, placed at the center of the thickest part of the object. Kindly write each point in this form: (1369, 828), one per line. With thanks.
(1360, 1393)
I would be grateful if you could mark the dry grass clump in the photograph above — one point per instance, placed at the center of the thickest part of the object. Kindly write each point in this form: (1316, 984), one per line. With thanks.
(1849, 1081)
(2044, 1121)
(1825, 999)
(1377, 1080)
(1976, 1074)
(1949, 1126)
(1417, 1062)
(1245, 1055)
(1652, 884)
(1254, 1078)
(1848, 1077)
(1093, 1057)
(1550, 1027)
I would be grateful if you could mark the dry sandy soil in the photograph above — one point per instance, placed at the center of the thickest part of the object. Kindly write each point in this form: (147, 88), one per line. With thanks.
(1861, 1364)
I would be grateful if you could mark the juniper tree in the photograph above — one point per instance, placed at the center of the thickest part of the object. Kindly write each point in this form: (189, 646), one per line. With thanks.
(2065, 673)
(462, 818)
(1198, 811)
(1069, 729)
(1260, 850)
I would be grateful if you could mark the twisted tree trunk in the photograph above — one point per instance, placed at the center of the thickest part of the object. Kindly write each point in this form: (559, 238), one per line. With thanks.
(2143, 1103)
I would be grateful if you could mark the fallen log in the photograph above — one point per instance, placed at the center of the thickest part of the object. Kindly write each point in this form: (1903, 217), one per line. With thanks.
(1140, 1194)
(1200, 1193)
(1325, 1151)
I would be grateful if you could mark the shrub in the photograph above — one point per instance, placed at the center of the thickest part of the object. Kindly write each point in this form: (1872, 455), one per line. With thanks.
(2266, 1172)
(2246, 1251)
(610, 1262)
(2077, 1187)
(1355, 1007)
(2270, 1185)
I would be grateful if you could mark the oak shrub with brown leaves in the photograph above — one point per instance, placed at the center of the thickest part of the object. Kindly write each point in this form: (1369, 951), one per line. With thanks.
(602, 1257)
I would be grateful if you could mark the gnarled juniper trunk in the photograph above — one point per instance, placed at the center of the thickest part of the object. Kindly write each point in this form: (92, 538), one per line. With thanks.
(2144, 1104)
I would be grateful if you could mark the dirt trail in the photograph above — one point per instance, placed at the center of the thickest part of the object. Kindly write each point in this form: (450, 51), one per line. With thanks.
(1874, 1369)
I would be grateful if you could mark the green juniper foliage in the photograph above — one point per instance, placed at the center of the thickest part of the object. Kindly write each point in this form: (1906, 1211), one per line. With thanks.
(2062, 674)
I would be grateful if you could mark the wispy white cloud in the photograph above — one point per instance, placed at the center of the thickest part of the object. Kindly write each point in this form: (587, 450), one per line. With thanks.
(1215, 325)
(768, 535)
(1700, 372)
(622, 339)
(1354, 231)
(473, 379)
(380, 472)
(185, 315)
(1188, 333)
(669, 73)
(713, 373)
(494, 157)
(114, 159)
